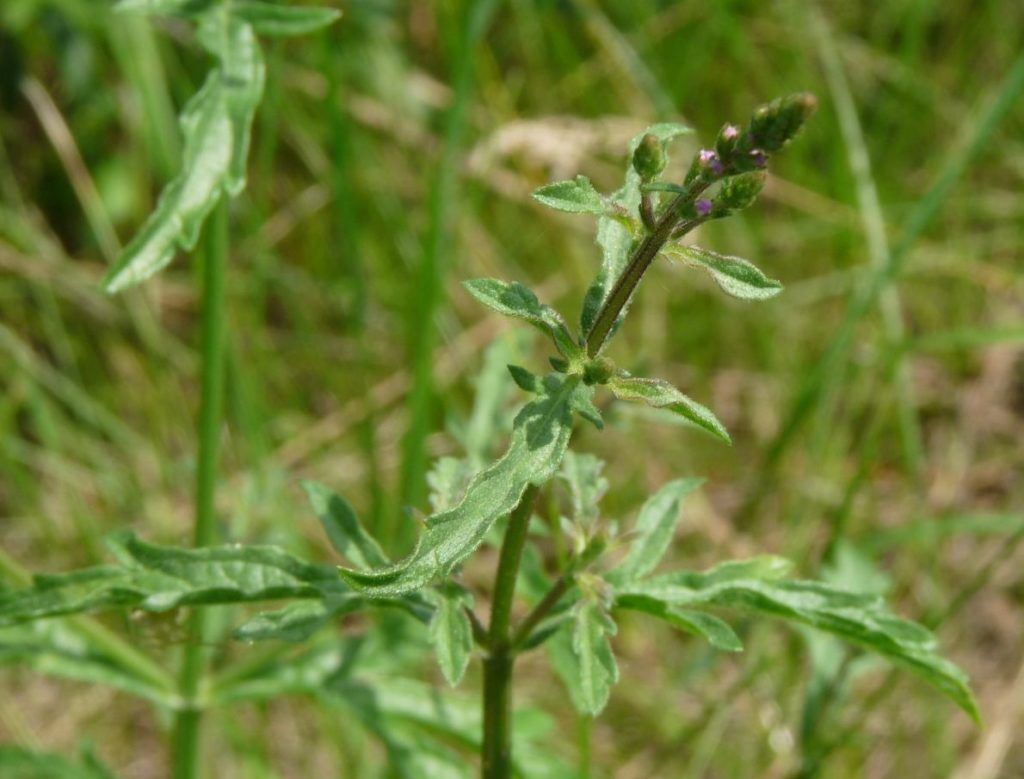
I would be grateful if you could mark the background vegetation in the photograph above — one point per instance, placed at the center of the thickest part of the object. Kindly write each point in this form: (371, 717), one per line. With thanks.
(877, 405)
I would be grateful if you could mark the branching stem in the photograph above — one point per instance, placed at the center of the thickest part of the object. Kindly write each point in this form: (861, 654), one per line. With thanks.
(638, 264)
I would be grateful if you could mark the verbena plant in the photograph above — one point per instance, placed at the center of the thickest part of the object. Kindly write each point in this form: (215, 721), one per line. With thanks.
(570, 610)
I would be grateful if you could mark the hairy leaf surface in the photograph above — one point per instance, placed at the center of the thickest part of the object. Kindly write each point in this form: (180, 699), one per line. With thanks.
(736, 276)
(654, 528)
(343, 527)
(596, 665)
(577, 196)
(661, 394)
(517, 300)
(450, 631)
(540, 435)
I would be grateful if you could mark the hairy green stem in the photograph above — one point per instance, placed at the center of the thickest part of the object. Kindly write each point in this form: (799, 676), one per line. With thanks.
(496, 756)
(637, 266)
(185, 739)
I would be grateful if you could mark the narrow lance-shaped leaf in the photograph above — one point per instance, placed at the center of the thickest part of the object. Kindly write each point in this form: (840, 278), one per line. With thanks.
(736, 276)
(597, 668)
(577, 197)
(858, 618)
(216, 125)
(540, 435)
(706, 626)
(450, 631)
(516, 300)
(615, 238)
(661, 394)
(582, 472)
(654, 528)
(343, 527)
(157, 578)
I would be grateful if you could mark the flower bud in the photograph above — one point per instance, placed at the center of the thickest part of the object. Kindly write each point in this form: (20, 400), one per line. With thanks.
(703, 207)
(740, 191)
(649, 158)
(725, 144)
(774, 124)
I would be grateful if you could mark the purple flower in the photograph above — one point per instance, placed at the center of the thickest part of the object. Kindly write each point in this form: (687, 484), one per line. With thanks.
(730, 132)
(759, 158)
(703, 207)
(709, 161)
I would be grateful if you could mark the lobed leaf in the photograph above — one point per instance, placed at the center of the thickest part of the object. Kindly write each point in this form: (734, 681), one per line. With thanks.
(862, 619)
(577, 197)
(517, 300)
(595, 661)
(734, 275)
(661, 394)
(540, 435)
(343, 528)
(450, 631)
(655, 526)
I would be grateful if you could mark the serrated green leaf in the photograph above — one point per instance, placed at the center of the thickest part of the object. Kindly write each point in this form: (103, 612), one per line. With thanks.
(736, 276)
(596, 662)
(859, 618)
(661, 394)
(540, 435)
(615, 238)
(52, 648)
(450, 631)
(343, 528)
(216, 125)
(577, 197)
(707, 626)
(582, 472)
(155, 578)
(655, 526)
(517, 300)
(283, 20)
(21, 763)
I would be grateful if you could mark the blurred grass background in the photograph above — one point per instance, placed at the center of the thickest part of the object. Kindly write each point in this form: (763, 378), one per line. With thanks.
(877, 406)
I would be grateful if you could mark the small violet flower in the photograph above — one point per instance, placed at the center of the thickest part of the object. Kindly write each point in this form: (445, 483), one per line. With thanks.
(703, 207)
(709, 161)
(759, 158)
(730, 132)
